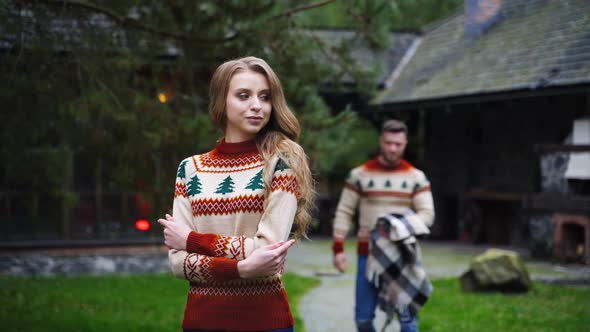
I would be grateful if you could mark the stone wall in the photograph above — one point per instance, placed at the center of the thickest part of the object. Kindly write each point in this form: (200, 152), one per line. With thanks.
(47, 265)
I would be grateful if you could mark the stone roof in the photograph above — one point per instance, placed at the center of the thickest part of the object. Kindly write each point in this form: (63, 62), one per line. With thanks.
(534, 44)
(383, 62)
(66, 31)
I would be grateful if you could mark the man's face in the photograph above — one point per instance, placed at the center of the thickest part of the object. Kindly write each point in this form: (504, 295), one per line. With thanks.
(392, 147)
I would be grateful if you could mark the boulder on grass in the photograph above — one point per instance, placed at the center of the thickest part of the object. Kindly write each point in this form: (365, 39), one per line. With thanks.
(496, 270)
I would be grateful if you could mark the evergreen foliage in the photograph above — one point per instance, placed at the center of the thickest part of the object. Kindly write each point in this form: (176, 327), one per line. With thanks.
(391, 15)
(121, 87)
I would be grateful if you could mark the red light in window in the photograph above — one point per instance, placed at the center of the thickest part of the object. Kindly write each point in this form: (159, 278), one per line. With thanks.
(142, 225)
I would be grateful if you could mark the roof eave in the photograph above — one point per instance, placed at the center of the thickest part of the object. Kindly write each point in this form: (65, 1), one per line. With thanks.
(478, 98)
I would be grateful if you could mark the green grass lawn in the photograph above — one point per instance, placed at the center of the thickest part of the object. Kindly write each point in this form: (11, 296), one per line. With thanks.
(543, 308)
(155, 302)
(152, 302)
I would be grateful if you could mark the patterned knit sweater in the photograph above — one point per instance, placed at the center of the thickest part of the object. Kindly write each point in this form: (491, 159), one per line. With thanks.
(220, 195)
(377, 190)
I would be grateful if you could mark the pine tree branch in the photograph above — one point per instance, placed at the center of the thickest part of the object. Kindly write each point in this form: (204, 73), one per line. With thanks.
(332, 58)
(303, 8)
(125, 21)
(177, 12)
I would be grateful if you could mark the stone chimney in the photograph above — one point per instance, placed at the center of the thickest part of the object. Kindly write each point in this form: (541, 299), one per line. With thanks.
(480, 15)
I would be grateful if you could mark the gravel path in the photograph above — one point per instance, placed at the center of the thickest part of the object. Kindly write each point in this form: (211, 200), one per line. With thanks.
(329, 307)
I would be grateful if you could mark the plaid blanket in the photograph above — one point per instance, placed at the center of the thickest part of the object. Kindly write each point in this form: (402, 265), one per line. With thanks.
(394, 266)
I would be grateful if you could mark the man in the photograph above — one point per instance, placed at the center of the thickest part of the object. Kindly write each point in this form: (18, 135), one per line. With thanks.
(386, 184)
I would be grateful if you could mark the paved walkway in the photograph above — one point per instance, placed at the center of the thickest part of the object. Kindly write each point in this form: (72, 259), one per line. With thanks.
(329, 307)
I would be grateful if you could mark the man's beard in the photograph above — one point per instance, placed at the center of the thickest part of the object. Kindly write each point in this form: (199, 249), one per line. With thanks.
(391, 162)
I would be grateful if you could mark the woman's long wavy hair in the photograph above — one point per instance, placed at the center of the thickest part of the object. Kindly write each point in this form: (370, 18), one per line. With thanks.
(278, 138)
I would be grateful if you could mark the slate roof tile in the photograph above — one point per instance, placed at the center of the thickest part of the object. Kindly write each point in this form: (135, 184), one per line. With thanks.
(534, 44)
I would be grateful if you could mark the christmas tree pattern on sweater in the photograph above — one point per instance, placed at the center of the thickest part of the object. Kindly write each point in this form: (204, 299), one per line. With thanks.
(256, 182)
(225, 187)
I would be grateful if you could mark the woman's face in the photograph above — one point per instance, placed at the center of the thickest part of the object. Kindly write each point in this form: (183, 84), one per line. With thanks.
(248, 106)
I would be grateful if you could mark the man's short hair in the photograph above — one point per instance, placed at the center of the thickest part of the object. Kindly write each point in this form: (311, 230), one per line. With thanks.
(394, 126)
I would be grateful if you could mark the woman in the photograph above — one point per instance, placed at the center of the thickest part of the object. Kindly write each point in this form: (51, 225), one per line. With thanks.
(234, 207)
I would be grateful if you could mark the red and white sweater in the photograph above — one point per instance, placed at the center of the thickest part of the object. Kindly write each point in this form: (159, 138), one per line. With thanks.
(377, 190)
(220, 195)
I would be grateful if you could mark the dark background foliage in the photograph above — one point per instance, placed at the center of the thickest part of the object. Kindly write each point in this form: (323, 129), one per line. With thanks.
(107, 97)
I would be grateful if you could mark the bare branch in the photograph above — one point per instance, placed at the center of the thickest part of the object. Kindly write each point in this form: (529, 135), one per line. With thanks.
(126, 21)
(303, 8)
(333, 58)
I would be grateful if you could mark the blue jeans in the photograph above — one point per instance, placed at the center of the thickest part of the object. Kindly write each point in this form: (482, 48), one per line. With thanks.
(366, 303)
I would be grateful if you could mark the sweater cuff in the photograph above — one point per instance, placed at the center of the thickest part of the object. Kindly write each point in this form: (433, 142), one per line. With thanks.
(225, 269)
(338, 246)
(199, 243)
(362, 248)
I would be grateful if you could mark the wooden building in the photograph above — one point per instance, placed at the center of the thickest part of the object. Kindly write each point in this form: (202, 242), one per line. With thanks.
(488, 94)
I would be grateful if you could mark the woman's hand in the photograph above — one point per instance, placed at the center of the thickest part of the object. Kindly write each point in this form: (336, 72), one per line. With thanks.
(265, 261)
(175, 233)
